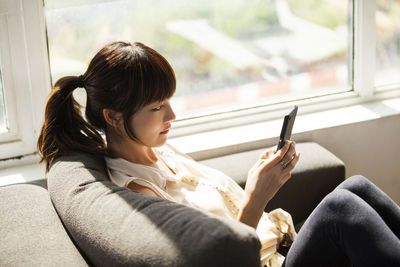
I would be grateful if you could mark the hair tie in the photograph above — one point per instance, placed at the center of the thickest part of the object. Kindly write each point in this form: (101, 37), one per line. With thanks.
(80, 82)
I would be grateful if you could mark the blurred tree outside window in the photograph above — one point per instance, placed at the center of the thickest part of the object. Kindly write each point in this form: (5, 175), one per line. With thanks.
(387, 42)
(227, 54)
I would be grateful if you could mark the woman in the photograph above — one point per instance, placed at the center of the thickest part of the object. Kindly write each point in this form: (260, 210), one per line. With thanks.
(128, 90)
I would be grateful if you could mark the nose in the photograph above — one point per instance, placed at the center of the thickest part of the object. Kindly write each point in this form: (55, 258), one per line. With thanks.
(169, 114)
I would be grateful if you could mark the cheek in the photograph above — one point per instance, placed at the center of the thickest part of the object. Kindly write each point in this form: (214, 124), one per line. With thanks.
(144, 127)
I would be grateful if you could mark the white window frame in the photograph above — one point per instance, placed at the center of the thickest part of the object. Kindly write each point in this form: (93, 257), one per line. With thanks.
(30, 79)
(364, 48)
(25, 71)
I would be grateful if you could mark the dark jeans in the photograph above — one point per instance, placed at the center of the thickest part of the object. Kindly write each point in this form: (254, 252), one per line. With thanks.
(356, 224)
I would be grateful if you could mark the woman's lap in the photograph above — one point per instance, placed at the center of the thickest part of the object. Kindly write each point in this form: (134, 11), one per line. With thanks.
(377, 199)
(346, 227)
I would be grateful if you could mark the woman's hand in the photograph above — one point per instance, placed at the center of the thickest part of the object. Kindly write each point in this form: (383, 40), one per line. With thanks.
(265, 178)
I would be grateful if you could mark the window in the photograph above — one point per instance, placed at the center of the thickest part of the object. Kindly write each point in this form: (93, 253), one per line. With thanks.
(387, 43)
(9, 61)
(227, 54)
(237, 61)
(24, 82)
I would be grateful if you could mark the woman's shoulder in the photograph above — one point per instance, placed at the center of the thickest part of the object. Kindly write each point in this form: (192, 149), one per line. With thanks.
(118, 163)
(122, 172)
(125, 167)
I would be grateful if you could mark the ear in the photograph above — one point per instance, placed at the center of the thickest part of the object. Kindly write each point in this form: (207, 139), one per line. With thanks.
(113, 118)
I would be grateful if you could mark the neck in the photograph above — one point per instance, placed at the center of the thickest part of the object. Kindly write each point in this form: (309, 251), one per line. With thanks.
(133, 152)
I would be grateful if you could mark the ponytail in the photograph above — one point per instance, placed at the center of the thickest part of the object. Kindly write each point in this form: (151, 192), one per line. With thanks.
(64, 129)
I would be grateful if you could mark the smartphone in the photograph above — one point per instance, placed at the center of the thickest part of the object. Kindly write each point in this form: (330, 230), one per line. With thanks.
(287, 127)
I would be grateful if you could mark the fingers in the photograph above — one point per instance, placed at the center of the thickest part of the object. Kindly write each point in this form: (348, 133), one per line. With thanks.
(271, 157)
(289, 147)
(286, 173)
(290, 165)
(268, 173)
(280, 159)
(267, 154)
(289, 156)
(267, 157)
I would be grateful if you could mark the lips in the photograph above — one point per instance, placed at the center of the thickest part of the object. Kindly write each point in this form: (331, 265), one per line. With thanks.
(166, 130)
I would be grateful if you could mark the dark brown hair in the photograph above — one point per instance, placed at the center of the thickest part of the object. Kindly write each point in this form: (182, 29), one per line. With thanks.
(123, 77)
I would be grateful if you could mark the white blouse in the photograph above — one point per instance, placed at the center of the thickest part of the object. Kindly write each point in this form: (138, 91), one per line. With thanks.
(185, 181)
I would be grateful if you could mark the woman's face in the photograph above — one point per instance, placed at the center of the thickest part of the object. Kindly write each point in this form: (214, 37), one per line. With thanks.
(151, 124)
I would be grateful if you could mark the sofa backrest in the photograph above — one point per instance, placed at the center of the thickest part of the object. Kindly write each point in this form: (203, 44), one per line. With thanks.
(114, 226)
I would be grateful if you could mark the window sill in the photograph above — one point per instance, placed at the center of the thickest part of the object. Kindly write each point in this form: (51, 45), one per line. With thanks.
(22, 171)
(266, 134)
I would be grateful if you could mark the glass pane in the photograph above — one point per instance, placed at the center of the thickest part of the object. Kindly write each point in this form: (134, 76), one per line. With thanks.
(227, 54)
(387, 42)
(3, 119)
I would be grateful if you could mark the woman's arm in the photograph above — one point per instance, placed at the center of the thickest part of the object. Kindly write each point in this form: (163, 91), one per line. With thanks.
(265, 178)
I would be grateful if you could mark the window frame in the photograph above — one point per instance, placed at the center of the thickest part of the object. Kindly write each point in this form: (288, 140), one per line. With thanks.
(31, 99)
(25, 73)
(364, 48)
(9, 23)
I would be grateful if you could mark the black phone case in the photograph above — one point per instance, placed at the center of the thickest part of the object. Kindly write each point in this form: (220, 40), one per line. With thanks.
(287, 127)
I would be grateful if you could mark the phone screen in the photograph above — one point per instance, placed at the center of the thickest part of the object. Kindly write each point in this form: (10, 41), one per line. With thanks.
(287, 127)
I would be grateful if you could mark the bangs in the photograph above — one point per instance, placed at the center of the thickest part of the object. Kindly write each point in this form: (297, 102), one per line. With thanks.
(161, 83)
(153, 78)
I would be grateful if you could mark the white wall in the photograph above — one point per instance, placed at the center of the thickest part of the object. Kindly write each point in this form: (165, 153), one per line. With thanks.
(370, 148)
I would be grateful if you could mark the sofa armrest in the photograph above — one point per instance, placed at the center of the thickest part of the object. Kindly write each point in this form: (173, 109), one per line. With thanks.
(31, 231)
(317, 173)
(115, 226)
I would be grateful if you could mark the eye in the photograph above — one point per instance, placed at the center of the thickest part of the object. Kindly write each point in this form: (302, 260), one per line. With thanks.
(157, 108)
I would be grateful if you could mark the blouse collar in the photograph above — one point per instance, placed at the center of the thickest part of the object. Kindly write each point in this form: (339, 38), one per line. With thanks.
(149, 173)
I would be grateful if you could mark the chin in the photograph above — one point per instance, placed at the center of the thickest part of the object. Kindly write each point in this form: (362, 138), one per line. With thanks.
(159, 145)
(160, 142)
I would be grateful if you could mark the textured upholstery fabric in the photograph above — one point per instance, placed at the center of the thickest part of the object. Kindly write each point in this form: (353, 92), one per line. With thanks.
(30, 230)
(116, 226)
(317, 173)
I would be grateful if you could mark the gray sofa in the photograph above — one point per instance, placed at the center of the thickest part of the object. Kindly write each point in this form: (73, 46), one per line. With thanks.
(79, 218)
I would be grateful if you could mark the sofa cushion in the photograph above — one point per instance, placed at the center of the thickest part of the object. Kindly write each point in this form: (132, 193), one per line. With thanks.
(31, 231)
(117, 226)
